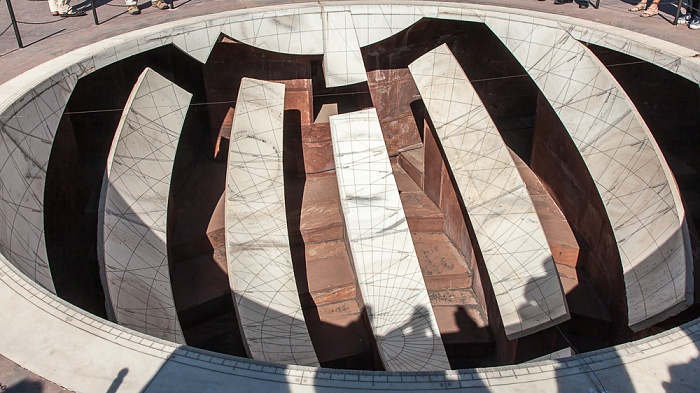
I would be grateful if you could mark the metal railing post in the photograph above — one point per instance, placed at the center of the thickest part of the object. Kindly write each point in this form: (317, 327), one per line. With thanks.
(94, 12)
(14, 23)
(678, 12)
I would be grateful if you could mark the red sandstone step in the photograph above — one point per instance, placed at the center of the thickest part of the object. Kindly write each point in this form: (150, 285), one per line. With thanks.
(329, 272)
(412, 162)
(421, 213)
(561, 239)
(403, 181)
(320, 210)
(442, 265)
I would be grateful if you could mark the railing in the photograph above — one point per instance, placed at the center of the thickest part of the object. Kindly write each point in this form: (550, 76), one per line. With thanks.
(15, 23)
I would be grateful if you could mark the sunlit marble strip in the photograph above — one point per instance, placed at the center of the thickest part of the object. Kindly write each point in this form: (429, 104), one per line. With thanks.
(132, 248)
(342, 60)
(197, 39)
(382, 250)
(375, 22)
(294, 31)
(257, 242)
(634, 182)
(515, 250)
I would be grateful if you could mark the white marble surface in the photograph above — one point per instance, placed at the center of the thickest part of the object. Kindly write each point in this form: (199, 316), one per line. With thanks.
(257, 242)
(295, 30)
(385, 260)
(27, 131)
(375, 22)
(41, 332)
(508, 230)
(342, 59)
(637, 189)
(197, 39)
(132, 243)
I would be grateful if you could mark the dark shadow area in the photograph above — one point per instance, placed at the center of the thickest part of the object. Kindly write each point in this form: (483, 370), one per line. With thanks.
(25, 386)
(114, 387)
(684, 376)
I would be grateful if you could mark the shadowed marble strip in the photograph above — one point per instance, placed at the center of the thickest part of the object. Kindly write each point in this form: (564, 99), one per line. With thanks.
(635, 184)
(382, 250)
(257, 242)
(515, 250)
(342, 60)
(133, 208)
(27, 130)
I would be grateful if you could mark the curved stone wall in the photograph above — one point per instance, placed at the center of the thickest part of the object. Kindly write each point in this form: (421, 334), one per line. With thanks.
(35, 322)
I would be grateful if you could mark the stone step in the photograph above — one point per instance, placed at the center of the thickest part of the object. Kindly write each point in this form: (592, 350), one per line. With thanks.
(421, 213)
(411, 162)
(320, 218)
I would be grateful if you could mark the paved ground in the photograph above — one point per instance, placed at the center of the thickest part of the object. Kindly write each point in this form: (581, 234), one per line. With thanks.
(45, 36)
(15, 379)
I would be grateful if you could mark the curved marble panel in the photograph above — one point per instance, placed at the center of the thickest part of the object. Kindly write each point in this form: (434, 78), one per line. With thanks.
(27, 130)
(375, 22)
(197, 39)
(257, 242)
(508, 230)
(386, 264)
(342, 59)
(634, 182)
(133, 208)
(295, 31)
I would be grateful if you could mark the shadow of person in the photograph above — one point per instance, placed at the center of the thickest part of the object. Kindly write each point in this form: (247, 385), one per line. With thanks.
(114, 387)
(684, 376)
(25, 386)
(412, 341)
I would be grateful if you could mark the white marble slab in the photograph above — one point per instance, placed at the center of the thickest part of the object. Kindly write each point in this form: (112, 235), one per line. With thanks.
(132, 243)
(635, 184)
(294, 31)
(261, 273)
(342, 59)
(385, 260)
(197, 39)
(508, 230)
(375, 22)
(27, 131)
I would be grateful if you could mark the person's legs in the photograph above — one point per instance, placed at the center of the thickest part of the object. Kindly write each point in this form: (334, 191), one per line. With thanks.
(652, 10)
(694, 23)
(132, 7)
(59, 7)
(641, 6)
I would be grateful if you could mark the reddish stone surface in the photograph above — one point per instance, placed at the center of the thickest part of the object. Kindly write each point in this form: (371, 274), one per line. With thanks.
(392, 92)
(442, 265)
(412, 163)
(561, 239)
(317, 148)
(320, 212)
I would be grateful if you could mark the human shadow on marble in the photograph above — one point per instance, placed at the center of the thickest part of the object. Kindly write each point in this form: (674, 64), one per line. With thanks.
(114, 387)
(685, 376)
